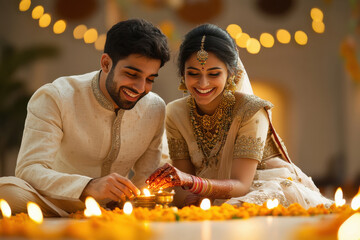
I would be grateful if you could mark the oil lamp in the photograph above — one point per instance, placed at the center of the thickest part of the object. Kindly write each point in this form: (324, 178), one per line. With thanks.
(145, 200)
(164, 197)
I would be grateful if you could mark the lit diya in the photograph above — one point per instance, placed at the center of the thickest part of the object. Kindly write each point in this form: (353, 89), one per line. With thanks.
(164, 197)
(145, 200)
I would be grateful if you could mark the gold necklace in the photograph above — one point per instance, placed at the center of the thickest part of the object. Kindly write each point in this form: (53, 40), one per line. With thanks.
(209, 130)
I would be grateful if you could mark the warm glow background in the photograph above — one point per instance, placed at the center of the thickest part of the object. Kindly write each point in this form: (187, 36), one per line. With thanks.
(277, 97)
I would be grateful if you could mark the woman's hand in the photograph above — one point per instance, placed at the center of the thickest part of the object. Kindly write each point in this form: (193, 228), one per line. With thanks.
(169, 176)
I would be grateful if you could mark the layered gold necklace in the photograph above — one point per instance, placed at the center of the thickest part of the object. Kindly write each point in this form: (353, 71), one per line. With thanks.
(209, 130)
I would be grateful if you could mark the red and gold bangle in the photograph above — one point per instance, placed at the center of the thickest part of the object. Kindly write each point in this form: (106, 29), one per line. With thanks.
(201, 186)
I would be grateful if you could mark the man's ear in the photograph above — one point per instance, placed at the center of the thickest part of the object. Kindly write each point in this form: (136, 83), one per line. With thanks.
(106, 63)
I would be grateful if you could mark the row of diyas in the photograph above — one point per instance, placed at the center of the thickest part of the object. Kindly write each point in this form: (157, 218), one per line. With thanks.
(163, 198)
(29, 225)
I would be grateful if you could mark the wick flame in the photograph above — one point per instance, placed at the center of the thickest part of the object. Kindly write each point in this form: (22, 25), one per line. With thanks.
(128, 208)
(34, 212)
(339, 201)
(355, 203)
(5, 208)
(205, 204)
(350, 230)
(146, 192)
(92, 207)
(270, 204)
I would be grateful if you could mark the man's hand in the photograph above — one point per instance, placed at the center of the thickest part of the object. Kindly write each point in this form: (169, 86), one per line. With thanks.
(112, 186)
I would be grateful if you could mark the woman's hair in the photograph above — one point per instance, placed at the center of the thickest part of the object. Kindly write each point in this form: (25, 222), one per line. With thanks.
(217, 41)
(136, 36)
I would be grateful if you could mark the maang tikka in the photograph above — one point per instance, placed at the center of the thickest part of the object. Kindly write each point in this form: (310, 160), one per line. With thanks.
(202, 55)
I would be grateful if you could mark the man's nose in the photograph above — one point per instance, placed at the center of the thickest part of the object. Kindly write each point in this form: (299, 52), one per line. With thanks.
(140, 85)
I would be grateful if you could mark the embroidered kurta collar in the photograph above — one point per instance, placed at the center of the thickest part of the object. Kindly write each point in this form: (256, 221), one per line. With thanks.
(103, 101)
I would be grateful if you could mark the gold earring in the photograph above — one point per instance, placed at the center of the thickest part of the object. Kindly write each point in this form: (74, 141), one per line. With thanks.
(182, 86)
(230, 84)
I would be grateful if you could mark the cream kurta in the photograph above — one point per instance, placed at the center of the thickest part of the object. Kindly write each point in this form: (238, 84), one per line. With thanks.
(250, 136)
(72, 135)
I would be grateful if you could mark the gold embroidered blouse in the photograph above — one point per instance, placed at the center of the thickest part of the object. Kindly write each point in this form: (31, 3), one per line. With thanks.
(251, 139)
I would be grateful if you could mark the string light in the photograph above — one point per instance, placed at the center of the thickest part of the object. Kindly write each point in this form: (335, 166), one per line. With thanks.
(59, 27)
(241, 39)
(80, 32)
(233, 30)
(316, 14)
(24, 5)
(45, 20)
(37, 12)
(100, 42)
(266, 40)
(253, 46)
(283, 36)
(301, 38)
(90, 35)
(318, 27)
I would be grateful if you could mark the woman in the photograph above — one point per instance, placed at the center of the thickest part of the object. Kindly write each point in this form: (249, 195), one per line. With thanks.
(221, 141)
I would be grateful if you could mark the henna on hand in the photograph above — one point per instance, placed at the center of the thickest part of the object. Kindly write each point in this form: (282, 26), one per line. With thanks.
(168, 176)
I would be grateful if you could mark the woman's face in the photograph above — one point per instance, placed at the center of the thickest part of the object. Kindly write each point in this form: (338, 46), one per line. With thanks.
(206, 86)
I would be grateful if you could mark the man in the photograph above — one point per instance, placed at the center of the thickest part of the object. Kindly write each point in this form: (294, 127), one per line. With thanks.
(83, 134)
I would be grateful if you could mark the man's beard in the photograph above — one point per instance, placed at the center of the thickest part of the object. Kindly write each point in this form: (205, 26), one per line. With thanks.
(115, 95)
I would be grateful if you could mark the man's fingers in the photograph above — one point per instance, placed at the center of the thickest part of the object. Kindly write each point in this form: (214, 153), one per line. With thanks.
(121, 181)
(121, 191)
(112, 196)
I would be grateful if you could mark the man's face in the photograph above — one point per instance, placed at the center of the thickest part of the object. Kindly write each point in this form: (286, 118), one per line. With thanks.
(131, 79)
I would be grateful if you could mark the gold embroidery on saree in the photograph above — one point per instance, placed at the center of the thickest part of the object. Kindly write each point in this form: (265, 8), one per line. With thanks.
(250, 104)
(248, 147)
(178, 149)
(271, 149)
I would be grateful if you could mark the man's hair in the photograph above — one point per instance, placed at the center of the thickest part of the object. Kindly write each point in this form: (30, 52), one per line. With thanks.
(136, 36)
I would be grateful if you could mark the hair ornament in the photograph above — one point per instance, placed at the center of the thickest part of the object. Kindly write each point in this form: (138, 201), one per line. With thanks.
(202, 55)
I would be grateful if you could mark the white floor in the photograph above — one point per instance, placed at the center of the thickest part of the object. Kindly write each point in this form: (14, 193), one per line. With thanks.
(256, 228)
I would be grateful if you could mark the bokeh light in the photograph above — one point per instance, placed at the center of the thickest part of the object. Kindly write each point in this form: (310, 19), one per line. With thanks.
(24, 5)
(253, 46)
(267, 40)
(45, 20)
(233, 30)
(37, 12)
(100, 42)
(79, 31)
(318, 27)
(301, 38)
(59, 27)
(316, 14)
(283, 36)
(90, 35)
(241, 39)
